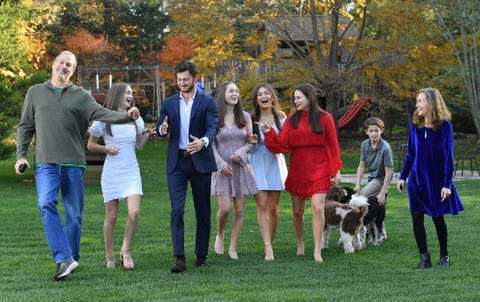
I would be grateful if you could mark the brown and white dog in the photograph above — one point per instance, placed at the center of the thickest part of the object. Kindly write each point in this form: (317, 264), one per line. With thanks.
(348, 218)
(374, 221)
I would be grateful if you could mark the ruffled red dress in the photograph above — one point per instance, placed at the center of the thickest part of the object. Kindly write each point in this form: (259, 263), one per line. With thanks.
(314, 158)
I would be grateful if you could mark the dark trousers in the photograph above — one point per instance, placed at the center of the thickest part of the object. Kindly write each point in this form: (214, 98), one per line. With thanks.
(177, 187)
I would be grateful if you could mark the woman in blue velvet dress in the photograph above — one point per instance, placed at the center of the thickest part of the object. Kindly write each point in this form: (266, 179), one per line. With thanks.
(429, 168)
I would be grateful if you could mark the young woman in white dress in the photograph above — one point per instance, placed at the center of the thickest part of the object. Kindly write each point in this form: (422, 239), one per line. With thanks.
(121, 173)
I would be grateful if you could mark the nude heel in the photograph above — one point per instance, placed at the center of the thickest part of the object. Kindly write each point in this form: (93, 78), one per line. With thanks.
(268, 252)
(126, 260)
(110, 262)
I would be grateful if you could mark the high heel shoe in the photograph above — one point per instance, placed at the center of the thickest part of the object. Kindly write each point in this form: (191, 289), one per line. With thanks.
(218, 245)
(317, 255)
(233, 254)
(268, 252)
(126, 260)
(300, 248)
(110, 262)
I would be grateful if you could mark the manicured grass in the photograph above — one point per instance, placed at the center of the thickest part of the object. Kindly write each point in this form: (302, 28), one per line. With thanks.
(377, 273)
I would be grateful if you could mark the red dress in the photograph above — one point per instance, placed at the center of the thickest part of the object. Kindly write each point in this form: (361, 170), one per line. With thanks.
(314, 158)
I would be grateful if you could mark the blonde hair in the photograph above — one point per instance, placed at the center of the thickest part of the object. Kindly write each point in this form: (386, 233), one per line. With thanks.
(437, 109)
(257, 112)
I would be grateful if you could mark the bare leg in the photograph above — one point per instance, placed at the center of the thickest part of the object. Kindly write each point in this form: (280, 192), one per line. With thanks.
(111, 211)
(298, 209)
(264, 223)
(237, 223)
(273, 203)
(318, 223)
(222, 216)
(133, 203)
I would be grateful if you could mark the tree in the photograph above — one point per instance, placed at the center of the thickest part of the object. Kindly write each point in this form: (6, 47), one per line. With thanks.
(327, 57)
(385, 49)
(213, 27)
(21, 47)
(20, 23)
(73, 16)
(400, 53)
(177, 48)
(460, 21)
(398, 42)
(137, 27)
(147, 24)
(92, 50)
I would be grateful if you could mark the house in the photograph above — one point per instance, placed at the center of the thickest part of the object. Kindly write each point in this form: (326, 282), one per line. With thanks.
(298, 31)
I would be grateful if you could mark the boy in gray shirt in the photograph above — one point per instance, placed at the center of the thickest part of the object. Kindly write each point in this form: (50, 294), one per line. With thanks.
(376, 154)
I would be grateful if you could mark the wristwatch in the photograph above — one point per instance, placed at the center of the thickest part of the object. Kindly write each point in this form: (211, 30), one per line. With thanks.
(205, 142)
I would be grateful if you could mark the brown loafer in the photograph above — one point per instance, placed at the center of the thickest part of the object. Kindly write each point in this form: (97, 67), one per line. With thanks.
(179, 266)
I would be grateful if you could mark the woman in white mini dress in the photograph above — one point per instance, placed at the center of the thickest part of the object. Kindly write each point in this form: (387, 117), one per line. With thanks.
(121, 173)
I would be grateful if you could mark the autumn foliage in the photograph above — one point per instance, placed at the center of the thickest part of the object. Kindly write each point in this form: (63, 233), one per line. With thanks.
(92, 50)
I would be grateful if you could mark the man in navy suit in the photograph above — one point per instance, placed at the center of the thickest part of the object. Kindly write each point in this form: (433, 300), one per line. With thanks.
(190, 118)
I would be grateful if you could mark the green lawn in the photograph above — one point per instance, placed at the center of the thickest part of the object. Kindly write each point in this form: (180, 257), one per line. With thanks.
(377, 273)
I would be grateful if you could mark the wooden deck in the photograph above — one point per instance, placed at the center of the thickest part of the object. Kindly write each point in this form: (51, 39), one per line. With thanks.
(94, 169)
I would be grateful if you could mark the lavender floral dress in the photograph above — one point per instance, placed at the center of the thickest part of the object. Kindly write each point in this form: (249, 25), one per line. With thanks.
(230, 140)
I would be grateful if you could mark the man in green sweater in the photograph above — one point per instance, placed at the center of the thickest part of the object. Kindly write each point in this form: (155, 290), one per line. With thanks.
(58, 113)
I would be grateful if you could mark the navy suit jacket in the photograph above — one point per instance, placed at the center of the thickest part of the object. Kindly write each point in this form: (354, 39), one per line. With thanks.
(203, 122)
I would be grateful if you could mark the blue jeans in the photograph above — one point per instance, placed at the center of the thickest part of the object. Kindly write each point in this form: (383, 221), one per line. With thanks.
(64, 240)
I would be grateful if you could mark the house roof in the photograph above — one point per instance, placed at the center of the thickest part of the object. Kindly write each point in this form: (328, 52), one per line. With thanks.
(300, 28)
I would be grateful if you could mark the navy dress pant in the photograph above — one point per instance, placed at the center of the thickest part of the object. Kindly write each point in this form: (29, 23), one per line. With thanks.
(177, 187)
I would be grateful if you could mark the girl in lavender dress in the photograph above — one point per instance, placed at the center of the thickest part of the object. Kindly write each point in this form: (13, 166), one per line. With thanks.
(234, 178)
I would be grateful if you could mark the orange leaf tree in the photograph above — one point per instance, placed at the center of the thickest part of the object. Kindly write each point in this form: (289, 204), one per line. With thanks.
(91, 50)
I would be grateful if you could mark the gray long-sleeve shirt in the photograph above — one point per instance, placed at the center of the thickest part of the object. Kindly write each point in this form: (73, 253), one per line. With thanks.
(59, 121)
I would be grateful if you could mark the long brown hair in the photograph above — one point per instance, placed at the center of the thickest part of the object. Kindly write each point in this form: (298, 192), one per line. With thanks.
(222, 108)
(314, 110)
(257, 113)
(115, 95)
(437, 109)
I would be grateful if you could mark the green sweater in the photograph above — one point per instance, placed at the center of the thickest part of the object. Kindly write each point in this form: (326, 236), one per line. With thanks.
(59, 122)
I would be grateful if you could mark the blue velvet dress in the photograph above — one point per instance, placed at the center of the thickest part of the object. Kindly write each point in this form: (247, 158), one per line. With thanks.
(429, 167)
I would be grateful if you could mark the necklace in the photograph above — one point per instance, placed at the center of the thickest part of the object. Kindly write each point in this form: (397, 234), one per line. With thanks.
(268, 120)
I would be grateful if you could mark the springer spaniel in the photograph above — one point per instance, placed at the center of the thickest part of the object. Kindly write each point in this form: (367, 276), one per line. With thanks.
(349, 219)
(374, 221)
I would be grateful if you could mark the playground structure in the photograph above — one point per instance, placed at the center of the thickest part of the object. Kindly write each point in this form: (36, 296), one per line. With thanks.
(355, 111)
(98, 79)
(154, 78)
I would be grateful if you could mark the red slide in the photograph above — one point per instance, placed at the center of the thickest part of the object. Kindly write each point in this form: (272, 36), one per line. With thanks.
(349, 117)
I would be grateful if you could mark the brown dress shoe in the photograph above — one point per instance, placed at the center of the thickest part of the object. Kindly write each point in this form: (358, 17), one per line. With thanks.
(179, 266)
